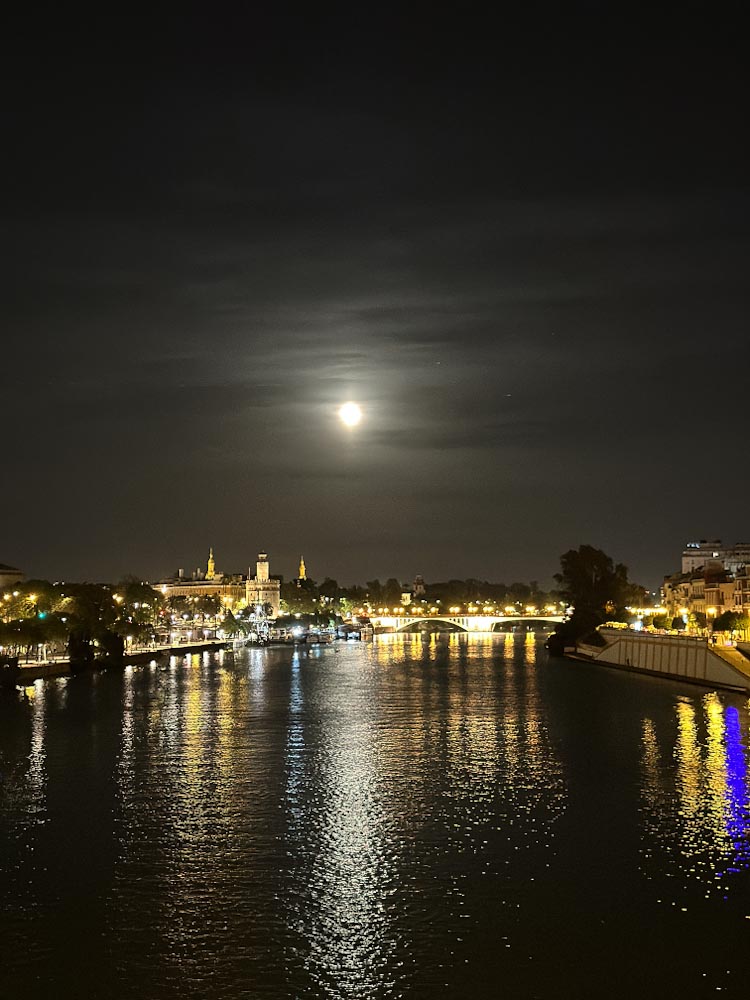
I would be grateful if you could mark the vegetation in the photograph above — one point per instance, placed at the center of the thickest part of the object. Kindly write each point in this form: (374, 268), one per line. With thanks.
(84, 621)
(697, 621)
(307, 597)
(731, 621)
(598, 590)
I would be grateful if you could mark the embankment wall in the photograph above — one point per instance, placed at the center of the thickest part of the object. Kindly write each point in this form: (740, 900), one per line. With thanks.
(679, 657)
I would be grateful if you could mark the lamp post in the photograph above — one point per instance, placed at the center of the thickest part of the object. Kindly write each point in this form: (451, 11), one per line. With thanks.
(710, 614)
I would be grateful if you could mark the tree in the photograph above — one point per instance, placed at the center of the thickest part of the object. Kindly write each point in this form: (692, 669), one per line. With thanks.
(592, 583)
(208, 606)
(698, 620)
(178, 605)
(596, 587)
(139, 601)
(126, 629)
(23, 634)
(299, 597)
(232, 627)
(329, 588)
(731, 621)
(355, 594)
(519, 592)
(345, 607)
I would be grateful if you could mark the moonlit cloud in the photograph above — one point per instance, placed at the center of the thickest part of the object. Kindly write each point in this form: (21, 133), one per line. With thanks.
(531, 290)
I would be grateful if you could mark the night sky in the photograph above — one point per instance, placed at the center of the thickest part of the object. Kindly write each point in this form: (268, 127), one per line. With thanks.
(521, 245)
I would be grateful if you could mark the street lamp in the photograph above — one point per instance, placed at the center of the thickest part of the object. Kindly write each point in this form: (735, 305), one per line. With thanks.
(710, 613)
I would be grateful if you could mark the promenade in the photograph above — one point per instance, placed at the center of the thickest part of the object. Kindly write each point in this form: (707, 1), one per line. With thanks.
(58, 666)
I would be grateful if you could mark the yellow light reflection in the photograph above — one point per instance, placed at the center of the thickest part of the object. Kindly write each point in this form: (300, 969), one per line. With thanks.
(704, 827)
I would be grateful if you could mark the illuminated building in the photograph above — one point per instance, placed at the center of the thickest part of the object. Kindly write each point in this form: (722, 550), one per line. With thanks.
(742, 590)
(229, 588)
(697, 555)
(262, 589)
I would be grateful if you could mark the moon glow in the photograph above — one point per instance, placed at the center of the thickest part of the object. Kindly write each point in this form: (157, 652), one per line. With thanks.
(350, 414)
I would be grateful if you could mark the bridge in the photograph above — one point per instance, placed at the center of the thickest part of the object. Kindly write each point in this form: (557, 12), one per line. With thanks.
(462, 623)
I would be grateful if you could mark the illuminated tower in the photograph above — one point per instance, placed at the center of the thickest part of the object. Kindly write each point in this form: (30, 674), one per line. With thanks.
(261, 568)
(211, 568)
(302, 575)
(261, 590)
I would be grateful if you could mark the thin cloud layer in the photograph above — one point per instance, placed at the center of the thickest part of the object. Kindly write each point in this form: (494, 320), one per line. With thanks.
(529, 284)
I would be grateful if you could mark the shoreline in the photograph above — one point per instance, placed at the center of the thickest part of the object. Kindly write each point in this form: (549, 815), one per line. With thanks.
(677, 658)
(28, 672)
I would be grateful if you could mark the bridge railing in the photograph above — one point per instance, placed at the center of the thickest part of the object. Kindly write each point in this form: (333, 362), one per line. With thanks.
(468, 623)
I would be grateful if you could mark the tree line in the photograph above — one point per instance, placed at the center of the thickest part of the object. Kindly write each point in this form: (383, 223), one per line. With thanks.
(307, 596)
(88, 620)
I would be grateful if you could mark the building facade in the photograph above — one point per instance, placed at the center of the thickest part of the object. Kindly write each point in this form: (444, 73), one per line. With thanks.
(262, 590)
(228, 588)
(742, 590)
(710, 589)
(9, 575)
(696, 555)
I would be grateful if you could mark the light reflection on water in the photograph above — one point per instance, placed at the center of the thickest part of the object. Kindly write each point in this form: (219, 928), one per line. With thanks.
(418, 816)
(703, 831)
(339, 893)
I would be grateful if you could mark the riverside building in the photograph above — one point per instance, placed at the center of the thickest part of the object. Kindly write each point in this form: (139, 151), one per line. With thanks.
(696, 555)
(228, 587)
(263, 590)
(715, 578)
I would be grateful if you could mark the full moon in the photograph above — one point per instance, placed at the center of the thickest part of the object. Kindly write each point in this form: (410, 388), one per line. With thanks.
(350, 414)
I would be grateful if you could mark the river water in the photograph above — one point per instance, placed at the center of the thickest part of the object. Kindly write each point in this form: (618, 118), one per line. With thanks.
(444, 817)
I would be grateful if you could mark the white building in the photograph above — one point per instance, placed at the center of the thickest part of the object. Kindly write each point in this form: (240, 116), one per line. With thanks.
(703, 553)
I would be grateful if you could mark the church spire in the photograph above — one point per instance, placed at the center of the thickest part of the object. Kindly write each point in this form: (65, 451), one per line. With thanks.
(302, 572)
(211, 568)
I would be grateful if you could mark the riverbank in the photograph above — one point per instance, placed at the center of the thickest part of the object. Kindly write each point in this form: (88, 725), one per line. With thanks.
(676, 657)
(25, 673)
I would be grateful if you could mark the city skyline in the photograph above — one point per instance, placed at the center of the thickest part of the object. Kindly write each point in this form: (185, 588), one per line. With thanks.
(695, 553)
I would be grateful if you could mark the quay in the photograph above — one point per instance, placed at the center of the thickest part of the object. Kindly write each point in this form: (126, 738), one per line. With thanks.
(677, 657)
(32, 670)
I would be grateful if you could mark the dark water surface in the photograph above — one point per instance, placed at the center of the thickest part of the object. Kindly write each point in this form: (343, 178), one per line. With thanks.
(450, 817)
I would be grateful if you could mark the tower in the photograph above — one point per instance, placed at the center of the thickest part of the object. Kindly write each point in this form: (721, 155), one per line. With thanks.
(261, 568)
(302, 575)
(261, 590)
(211, 568)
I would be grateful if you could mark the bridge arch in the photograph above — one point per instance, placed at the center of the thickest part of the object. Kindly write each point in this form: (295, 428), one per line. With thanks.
(464, 623)
(422, 625)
